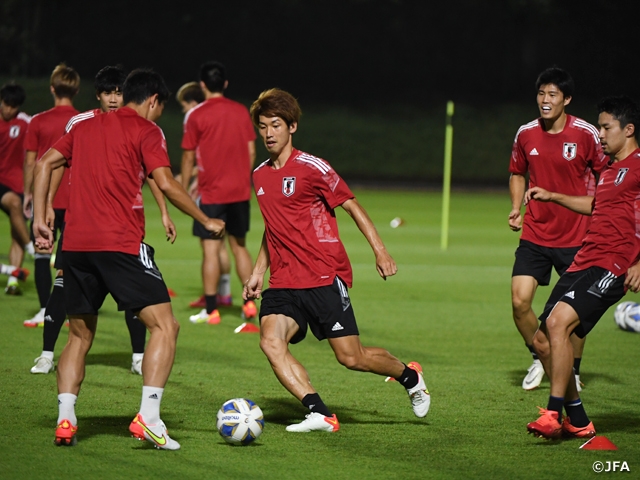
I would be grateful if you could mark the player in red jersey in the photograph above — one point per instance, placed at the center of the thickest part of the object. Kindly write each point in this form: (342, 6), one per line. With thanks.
(44, 130)
(111, 155)
(309, 267)
(189, 96)
(602, 270)
(13, 128)
(561, 152)
(219, 137)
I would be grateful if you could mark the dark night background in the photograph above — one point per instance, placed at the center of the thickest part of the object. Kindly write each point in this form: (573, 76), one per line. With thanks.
(359, 54)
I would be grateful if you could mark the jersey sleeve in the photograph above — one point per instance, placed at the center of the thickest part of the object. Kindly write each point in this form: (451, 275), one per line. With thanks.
(65, 145)
(31, 138)
(190, 135)
(332, 187)
(518, 163)
(154, 149)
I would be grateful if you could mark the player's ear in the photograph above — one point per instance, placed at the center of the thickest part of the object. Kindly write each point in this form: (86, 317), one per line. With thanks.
(629, 130)
(567, 100)
(226, 84)
(293, 127)
(153, 100)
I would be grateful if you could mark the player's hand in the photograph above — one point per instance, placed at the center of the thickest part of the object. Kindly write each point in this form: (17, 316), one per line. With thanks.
(50, 217)
(632, 282)
(27, 205)
(43, 236)
(215, 226)
(540, 194)
(252, 287)
(386, 265)
(515, 220)
(169, 228)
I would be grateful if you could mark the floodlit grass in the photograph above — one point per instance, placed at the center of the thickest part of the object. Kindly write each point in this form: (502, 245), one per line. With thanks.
(448, 310)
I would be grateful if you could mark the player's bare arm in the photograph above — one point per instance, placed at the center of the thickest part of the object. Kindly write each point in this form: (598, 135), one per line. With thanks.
(50, 161)
(186, 167)
(385, 265)
(253, 287)
(578, 204)
(167, 223)
(252, 153)
(29, 164)
(179, 197)
(517, 187)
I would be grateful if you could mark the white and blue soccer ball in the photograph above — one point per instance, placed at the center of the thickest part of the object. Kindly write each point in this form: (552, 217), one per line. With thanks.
(627, 316)
(240, 421)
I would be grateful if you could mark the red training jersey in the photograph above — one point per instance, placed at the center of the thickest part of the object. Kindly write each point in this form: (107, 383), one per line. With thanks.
(12, 135)
(297, 203)
(563, 162)
(44, 130)
(110, 156)
(219, 130)
(613, 239)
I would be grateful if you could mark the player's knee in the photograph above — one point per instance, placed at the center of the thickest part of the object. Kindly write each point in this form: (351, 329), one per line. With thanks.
(272, 346)
(350, 360)
(520, 305)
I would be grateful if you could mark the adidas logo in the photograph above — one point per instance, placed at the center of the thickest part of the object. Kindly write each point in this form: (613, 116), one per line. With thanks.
(570, 295)
(48, 318)
(260, 191)
(154, 396)
(534, 152)
(337, 327)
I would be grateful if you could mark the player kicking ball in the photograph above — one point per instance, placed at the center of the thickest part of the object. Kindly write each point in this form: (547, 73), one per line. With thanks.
(310, 271)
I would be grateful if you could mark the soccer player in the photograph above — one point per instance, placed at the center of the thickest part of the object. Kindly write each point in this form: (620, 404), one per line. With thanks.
(13, 128)
(108, 86)
(310, 270)
(110, 155)
(602, 270)
(218, 134)
(189, 96)
(561, 152)
(43, 131)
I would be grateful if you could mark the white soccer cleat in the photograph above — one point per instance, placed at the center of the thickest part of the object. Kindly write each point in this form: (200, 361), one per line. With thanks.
(578, 384)
(42, 365)
(136, 365)
(36, 321)
(534, 376)
(156, 434)
(419, 395)
(316, 422)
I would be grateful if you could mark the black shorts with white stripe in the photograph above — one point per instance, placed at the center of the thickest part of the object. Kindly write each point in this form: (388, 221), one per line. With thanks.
(133, 281)
(590, 293)
(327, 311)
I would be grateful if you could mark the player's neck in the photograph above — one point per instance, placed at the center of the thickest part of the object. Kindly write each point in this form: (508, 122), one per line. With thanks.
(209, 95)
(281, 159)
(62, 102)
(630, 147)
(555, 125)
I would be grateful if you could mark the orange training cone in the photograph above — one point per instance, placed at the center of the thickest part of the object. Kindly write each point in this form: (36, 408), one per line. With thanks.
(598, 443)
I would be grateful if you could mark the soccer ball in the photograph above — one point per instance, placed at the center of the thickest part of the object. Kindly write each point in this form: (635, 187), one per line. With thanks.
(240, 421)
(621, 313)
(632, 318)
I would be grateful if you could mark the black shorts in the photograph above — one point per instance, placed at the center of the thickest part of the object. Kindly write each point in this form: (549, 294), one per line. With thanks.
(4, 189)
(235, 216)
(133, 281)
(59, 262)
(326, 310)
(590, 292)
(57, 224)
(535, 261)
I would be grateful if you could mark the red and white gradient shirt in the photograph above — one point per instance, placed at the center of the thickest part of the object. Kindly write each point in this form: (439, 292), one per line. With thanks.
(564, 163)
(297, 203)
(12, 151)
(613, 239)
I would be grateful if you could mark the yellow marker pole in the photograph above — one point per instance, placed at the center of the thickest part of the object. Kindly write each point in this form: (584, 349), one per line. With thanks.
(446, 181)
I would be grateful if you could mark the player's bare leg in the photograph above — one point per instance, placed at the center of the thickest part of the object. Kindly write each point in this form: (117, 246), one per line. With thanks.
(210, 278)
(523, 290)
(578, 348)
(244, 268)
(353, 355)
(560, 323)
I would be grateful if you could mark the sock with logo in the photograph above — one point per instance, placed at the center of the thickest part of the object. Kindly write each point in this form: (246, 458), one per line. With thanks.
(555, 404)
(533, 352)
(150, 405)
(576, 366)
(224, 286)
(66, 408)
(137, 332)
(212, 302)
(409, 378)
(42, 275)
(575, 412)
(54, 316)
(314, 403)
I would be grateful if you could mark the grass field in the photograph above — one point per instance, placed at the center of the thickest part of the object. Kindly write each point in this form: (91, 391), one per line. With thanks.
(448, 310)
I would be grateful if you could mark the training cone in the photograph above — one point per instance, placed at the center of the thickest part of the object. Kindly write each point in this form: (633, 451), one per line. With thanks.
(247, 327)
(171, 293)
(598, 443)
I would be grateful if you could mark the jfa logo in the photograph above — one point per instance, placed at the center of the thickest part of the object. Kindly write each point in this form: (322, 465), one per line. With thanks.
(620, 177)
(14, 131)
(615, 466)
(288, 186)
(569, 150)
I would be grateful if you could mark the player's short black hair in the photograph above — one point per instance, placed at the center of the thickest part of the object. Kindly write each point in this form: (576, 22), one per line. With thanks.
(143, 83)
(109, 79)
(213, 75)
(12, 95)
(623, 109)
(559, 77)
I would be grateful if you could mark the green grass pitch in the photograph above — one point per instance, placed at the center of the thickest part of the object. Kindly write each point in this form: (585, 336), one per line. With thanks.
(448, 310)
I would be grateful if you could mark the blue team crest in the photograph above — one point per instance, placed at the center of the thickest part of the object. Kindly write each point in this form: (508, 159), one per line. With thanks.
(288, 186)
(569, 150)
